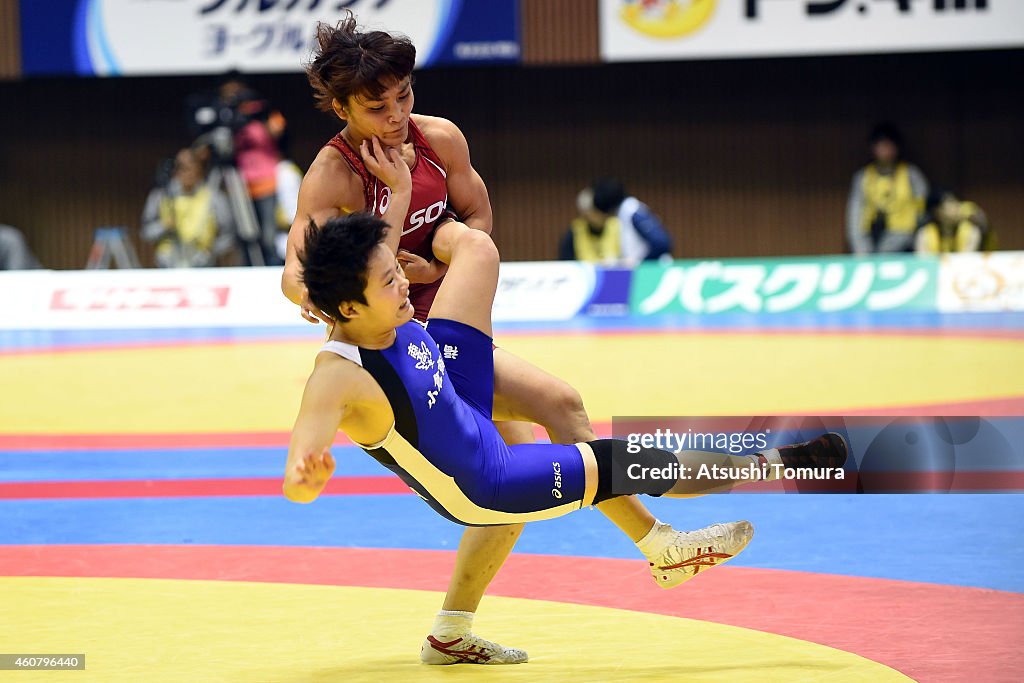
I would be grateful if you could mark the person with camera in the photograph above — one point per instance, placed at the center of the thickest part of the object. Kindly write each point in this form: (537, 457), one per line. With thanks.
(242, 133)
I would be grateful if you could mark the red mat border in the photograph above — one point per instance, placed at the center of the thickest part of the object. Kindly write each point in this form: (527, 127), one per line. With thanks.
(929, 632)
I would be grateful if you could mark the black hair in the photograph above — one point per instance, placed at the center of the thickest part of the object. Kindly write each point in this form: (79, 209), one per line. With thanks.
(608, 194)
(347, 62)
(886, 131)
(335, 259)
(936, 196)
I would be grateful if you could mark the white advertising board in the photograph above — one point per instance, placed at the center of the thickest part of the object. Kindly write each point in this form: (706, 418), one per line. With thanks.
(694, 29)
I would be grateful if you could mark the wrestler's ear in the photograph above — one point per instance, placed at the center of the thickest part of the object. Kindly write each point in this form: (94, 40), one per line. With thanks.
(349, 309)
(339, 109)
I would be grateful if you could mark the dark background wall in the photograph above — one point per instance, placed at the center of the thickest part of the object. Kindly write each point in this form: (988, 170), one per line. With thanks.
(10, 43)
(740, 158)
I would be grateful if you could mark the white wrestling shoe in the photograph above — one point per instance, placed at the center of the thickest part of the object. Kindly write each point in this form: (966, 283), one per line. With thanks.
(693, 551)
(468, 649)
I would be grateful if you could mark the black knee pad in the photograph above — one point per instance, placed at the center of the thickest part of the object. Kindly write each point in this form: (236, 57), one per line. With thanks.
(615, 464)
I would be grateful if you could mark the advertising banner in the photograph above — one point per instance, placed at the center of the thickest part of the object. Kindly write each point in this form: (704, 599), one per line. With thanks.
(251, 297)
(777, 285)
(694, 29)
(542, 291)
(158, 298)
(534, 291)
(982, 282)
(152, 37)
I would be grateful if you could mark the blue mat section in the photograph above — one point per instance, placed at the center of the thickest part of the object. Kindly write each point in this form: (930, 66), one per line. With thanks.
(163, 464)
(963, 540)
(69, 339)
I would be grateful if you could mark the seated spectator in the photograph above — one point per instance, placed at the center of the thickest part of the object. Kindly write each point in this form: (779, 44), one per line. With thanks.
(14, 251)
(951, 225)
(886, 198)
(189, 221)
(613, 228)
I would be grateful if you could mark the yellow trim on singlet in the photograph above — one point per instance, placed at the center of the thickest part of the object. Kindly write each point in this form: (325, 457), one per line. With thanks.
(447, 493)
(590, 473)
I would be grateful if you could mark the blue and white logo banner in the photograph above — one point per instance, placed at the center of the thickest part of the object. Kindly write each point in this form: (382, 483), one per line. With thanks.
(153, 37)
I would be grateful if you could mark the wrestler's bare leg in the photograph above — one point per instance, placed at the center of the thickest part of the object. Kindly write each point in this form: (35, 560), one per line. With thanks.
(525, 392)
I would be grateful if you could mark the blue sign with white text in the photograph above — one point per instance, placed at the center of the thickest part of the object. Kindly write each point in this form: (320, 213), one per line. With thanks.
(165, 37)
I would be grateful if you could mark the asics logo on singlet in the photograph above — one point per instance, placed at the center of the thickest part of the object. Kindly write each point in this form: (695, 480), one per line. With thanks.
(417, 219)
(557, 491)
(424, 361)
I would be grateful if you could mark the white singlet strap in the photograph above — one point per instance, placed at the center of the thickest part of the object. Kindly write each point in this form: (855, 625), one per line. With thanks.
(348, 351)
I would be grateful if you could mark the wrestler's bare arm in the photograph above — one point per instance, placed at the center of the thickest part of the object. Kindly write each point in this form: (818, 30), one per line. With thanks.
(328, 393)
(467, 193)
(328, 189)
(338, 395)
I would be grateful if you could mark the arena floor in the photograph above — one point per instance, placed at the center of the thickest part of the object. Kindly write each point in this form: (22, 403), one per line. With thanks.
(142, 521)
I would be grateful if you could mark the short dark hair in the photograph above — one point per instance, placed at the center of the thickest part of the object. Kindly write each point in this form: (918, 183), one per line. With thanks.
(935, 198)
(335, 259)
(886, 131)
(348, 62)
(609, 193)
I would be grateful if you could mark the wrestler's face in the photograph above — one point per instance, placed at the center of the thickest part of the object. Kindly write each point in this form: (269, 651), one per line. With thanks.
(386, 117)
(387, 292)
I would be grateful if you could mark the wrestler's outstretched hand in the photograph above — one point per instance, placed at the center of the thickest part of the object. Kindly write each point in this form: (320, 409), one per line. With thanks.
(308, 476)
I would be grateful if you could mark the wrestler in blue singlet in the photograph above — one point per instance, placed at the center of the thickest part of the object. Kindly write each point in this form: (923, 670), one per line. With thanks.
(443, 444)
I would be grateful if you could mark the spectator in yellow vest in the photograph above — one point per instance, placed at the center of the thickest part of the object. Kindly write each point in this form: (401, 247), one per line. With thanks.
(886, 198)
(613, 228)
(189, 220)
(952, 225)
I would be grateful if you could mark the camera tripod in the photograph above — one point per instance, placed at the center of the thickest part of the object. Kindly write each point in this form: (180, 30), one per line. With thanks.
(242, 212)
(224, 174)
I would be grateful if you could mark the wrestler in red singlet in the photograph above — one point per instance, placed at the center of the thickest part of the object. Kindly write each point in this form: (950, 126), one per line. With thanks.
(428, 207)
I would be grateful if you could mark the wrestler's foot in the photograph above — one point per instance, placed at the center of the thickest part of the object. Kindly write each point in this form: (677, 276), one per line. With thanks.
(468, 649)
(827, 451)
(692, 551)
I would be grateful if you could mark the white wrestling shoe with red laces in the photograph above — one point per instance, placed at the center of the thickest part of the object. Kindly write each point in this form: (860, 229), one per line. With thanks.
(468, 649)
(692, 552)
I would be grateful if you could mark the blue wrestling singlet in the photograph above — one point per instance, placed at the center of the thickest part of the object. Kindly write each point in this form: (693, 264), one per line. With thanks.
(443, 444)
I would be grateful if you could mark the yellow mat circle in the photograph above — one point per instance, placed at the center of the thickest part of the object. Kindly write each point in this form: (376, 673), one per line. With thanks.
(257, 386)
(196, 631)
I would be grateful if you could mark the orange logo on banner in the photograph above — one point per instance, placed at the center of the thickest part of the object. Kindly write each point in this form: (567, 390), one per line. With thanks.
(667, 18)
